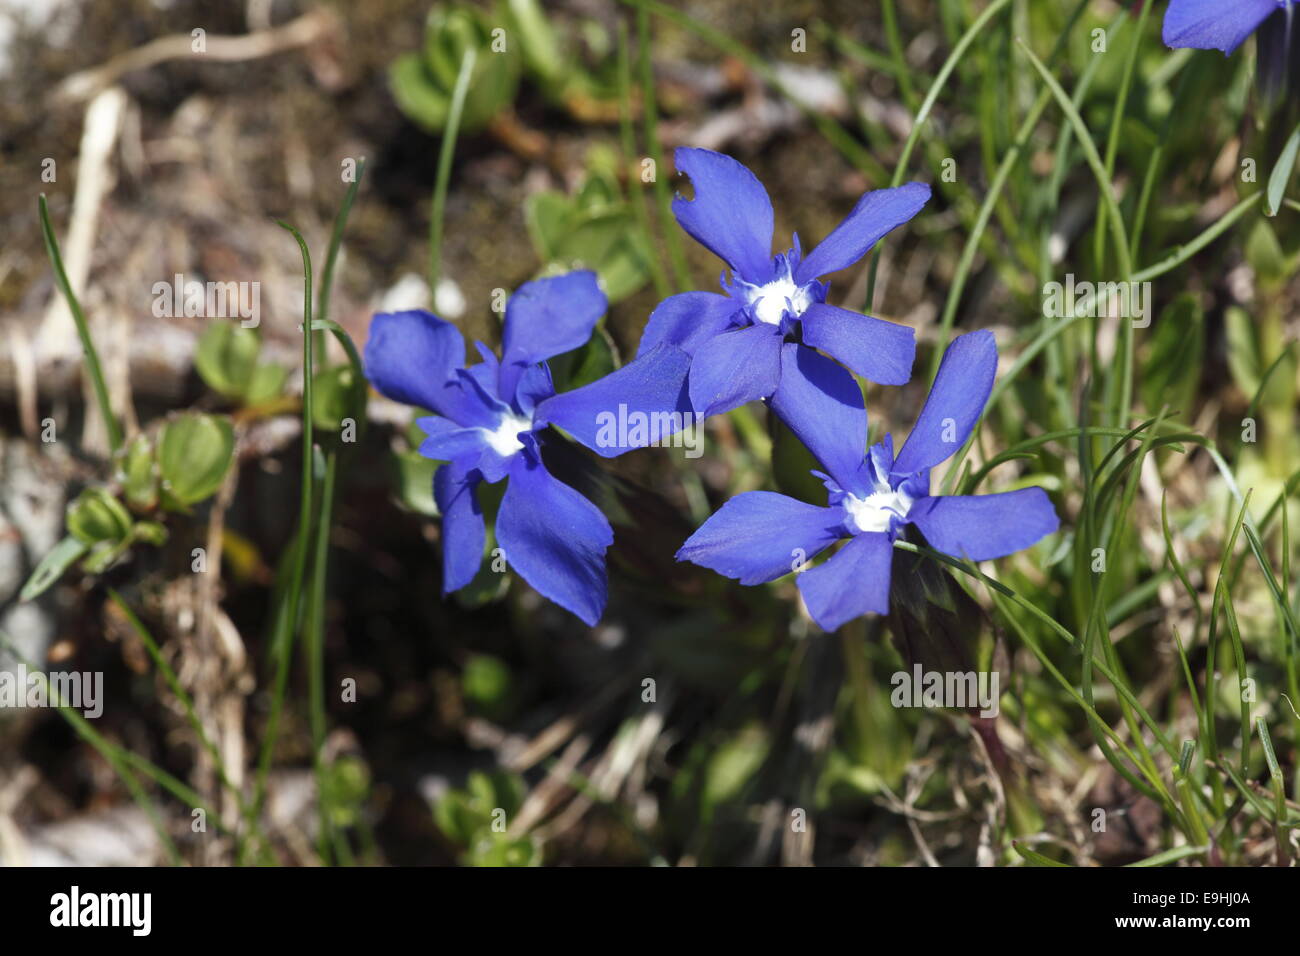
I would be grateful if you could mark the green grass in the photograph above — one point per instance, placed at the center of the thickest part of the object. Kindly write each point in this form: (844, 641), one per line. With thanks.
(1097, 469)
(1127, 636)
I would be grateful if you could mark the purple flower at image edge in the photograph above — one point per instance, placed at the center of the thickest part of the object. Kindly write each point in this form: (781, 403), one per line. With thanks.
(486, 427)
(1217, 24)
(1225, 25)
(760, 536)
(703, 353)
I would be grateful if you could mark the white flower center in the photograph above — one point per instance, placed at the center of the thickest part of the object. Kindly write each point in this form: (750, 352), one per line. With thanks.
(773, 300)
(873, 512)
(504, 439)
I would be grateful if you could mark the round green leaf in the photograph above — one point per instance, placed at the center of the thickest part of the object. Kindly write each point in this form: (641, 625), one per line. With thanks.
(415, 482)
(609, 242)
(139, 479)
(488, 685)
(194, 452)
(226, 358)
(334, 396)
(266, 383)
(416, 95)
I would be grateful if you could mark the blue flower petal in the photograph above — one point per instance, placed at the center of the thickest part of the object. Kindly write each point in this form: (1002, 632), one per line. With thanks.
(879, 351)
(653, 385)
(734, 368)
(495, 465)
(821, 403)
(956, 400)
(980, 527)
(687, 320)
(759, 536)
(411, 356)
(555, 539)
(470, 448)
(875, 214)
(1214, 24)
(731, 214)
(489, 358)
(447, 440)
(545, 318)
(463, 533)
(535, 386)
(478, 404)
(853, 582)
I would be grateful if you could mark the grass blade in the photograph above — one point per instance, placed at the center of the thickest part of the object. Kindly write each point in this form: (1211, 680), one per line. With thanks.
(83, 329)
(287, 623)
(445, 153)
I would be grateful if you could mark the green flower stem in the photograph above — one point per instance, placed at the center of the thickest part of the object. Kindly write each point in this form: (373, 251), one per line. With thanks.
(288, 621)
(331, 256)
(83, 330)
(314, 649)
(445, 153)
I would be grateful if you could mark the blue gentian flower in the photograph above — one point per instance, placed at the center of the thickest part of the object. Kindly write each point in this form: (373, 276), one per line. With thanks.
(1220, 24)
(759, 536)
(487, 427)
(1225, 24)
(703, 353)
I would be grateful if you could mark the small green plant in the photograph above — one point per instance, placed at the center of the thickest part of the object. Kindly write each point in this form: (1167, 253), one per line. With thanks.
(227, 361)
(511, 40)
(593, 229)
(187, 466)
(423, 82)
(477, 821)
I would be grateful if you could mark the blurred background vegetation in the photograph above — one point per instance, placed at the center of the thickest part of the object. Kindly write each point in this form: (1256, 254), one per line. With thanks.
(700, 722)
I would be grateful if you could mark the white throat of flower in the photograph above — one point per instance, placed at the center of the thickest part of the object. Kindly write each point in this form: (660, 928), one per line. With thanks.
(873, 513)
(504, 439)
(772, 301)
